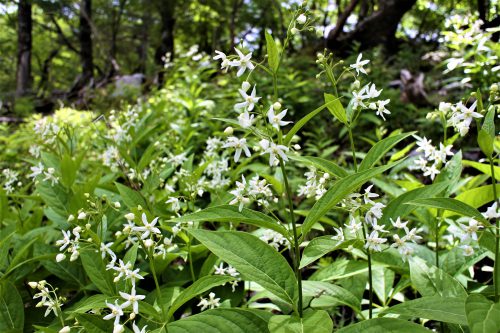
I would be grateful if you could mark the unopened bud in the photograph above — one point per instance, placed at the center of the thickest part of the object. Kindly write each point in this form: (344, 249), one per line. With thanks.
(60, 257)
(130, 216)
(294, 31)
(245, 85)
(229, 130)
(302, 19)
(277, 106)
(65, 329)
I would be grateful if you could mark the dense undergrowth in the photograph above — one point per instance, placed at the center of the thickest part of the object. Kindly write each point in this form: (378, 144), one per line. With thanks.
(262, 200)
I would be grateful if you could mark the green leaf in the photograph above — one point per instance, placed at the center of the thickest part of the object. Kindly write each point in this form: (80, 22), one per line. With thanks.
(484, 168)
(338, 191)
(483, 315)
(331, 291)
(485, 142)
(451, 205)
(445, 309)
(340, 269)
(254, 259)
(272, 53)
(68, 171)
(313, 321)
(321, 164)
(90, 303)
(432, 281)
(336, 108)
(222, 321)
(304, 121)
(94, 323)
(320, 246)
(386, 325)
(96, 271)
(380, 149)
(396, 207)
(383, 281)
(130, 197)
(198, 287)
(11, 309)
(228, 213)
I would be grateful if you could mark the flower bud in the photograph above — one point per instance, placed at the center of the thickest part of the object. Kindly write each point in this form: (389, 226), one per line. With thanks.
(294, 31)
(277, 106)
(60, 257)
(117, 204)
(82, 216)
(118, 329)
(71, 218)
(245, 86)
(148, 243)
(302, 19)
(65, 329)
(139, 207)
(356, 84)
(494, 87)
(130, 216)
(33, 284)
(296, 146)
(228, 131)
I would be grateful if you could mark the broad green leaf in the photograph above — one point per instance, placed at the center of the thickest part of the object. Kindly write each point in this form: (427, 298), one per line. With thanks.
(54, 196)
(485, 142)
(483, 315)
(385, 325)
(338, 191)
(432, 281)
(130, 197)
(484, 168)
(96, 271)
(304, 121)
(396, 207)
(222, 321)
(11, 309)
(94, 323)
(380, 149)
(68, 171)
(320, 246)
(336, 108)
(335, 293)
(383, 281)
(254, 259)
(198, 287)
(476, 197)
(90, 303)
(451, 205)
(228, 213)
(340, 269)
(313, 321)
(272, 53)
(321, 164)
(445, 309)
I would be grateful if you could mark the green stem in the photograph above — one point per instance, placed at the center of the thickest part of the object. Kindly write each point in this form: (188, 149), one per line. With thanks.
(370, 275)
(353, 148)
(497, 234)
(157, 284)
(296, 261)
(190, 259)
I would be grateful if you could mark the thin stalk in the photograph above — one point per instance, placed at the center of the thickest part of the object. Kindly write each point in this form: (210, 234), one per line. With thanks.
(296, 261)
(157, 284)
(190, 259)
(496, 270)
(370, 276)
(353, 148)
(436, 249)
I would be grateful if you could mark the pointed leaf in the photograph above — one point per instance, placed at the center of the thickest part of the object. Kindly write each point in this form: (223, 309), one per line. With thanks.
(386, 325)
(11, 308)
(321, 164)
(336, 108)
(380, 149)
(483, 315)
(320, 246)
(254, 259)
(450, 205)
(272, 53)
(313, 321)
(228, 213)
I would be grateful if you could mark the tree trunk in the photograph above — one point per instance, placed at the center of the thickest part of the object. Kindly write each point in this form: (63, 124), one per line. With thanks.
(24, 42)
(377, 29)
(167, 14)
(85, 37)
(142, 49)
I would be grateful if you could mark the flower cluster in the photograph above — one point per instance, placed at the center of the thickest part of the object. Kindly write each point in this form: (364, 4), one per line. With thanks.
(460, 116)
(48, 297)
(229, 270)
(432, 158)
(256, 189)
(11, 179)
(315, 184)
(275, 239)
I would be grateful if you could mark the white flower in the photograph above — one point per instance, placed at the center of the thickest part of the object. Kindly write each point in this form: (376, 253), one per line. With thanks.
(471, 230)
(373, 242)
(220, 55)
(398, 223)
(116, 312)
(220, 270)
(249, 101)
(240, 145)
(211, 302)
(468, 250)
(357, 99)
(339, 236)
(148, 228)
(411, 235)
(274, 151)
(492, 212)
(132, 299)
(372, 92)
(176, 206)
(381, 108)
(358, 66)
(243, 63)
(368, 195)
(276, 119)
(63, 243)
(37, 170)
(425, 146)
(245, 119)
(353, 226)
(431, 171)
(136, 329)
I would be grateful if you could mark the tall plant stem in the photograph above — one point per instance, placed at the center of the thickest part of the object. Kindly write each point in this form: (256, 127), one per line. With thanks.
(353, 148)
(296, 259)
(370, 277)
(436, 249)
(155, 278)
(496, 270)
